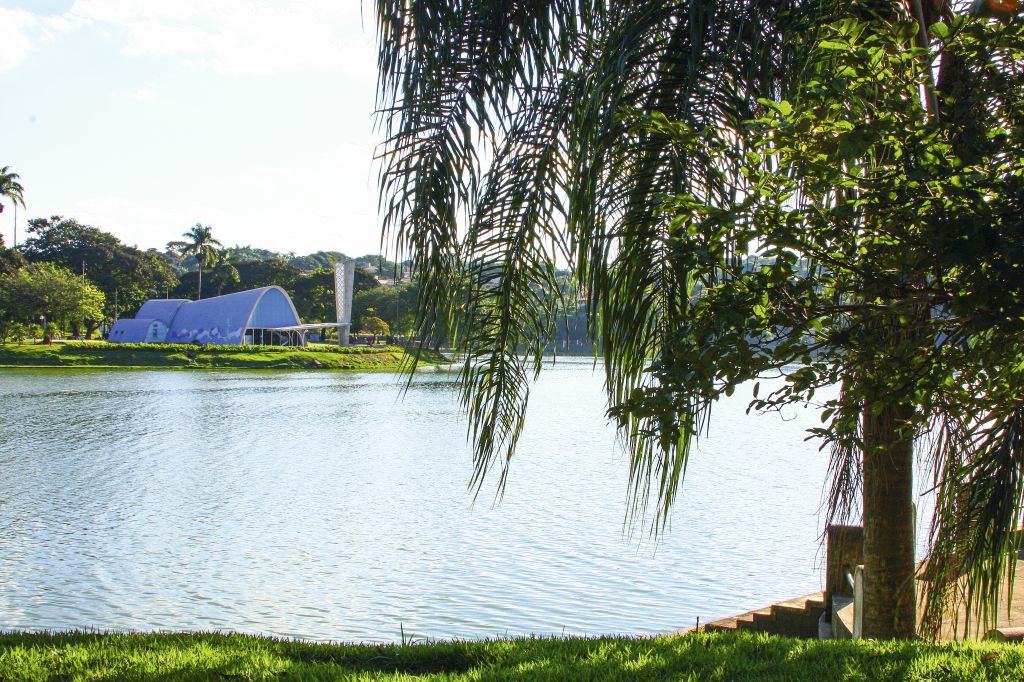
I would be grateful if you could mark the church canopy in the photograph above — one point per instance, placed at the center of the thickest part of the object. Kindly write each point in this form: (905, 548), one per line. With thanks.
(221, 320)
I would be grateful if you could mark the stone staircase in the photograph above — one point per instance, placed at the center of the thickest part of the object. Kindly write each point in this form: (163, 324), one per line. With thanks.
(792, 618)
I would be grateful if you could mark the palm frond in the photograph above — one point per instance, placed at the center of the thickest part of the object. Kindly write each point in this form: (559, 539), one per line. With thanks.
(516, 139)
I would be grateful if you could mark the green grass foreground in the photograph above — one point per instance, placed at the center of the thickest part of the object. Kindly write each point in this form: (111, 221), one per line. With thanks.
(734, 656)
(191, 356)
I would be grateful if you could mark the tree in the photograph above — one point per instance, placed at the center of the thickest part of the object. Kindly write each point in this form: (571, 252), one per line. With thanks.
(395, 305)
(894, 270)
(11, 189)
(604, 126)
(10, 259)
(317, 261)
(45, 289)
(118, 270)
(375, 326)
(267, 273)
(363, 281)
(17, 331)
(201, 246)
(313, 296)
(223, 270)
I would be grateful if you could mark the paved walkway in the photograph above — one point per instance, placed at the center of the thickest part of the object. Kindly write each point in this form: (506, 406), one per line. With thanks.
(955, 627)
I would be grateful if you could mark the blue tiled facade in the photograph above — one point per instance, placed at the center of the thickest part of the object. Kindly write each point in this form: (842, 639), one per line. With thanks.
(221, 320)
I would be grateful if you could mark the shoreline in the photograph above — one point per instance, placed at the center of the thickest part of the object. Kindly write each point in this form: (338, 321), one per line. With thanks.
(103, 355)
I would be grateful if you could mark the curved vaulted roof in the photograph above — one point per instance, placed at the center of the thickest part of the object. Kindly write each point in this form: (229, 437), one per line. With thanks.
(160, 309)
(130, 331)
(221, 320)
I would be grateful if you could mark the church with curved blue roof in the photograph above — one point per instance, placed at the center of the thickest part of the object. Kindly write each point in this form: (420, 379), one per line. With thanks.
(264, 316)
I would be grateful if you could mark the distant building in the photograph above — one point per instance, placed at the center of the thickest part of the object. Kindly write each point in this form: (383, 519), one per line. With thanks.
(263, 316)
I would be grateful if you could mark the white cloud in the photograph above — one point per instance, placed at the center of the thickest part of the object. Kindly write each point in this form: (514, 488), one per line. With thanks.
(20, 31)
(14, 37)
(146, 93)
(232, 36)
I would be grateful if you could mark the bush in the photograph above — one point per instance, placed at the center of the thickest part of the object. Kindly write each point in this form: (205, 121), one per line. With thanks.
(375, 326)
(17, 332)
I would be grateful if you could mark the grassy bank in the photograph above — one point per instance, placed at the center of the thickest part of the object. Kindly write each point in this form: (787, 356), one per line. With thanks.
(188, 356)
(739, 656)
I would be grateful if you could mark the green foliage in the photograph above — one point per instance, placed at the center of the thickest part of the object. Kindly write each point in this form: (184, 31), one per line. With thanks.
(209, 348)
(649, 145)
(894, 269)
(17, 332)
(10, 189)
(396, 306)
(375, 326)
(246, 254)
(109, 264)
(321, 260)
(193, 356)
(364, 281)
(716, 657)
(313, 296)
(50, 290)
(267, 273)
(201, 244)
(378, 265)
(223, 271)
(251, 275)
(569, 177)
(10, 259)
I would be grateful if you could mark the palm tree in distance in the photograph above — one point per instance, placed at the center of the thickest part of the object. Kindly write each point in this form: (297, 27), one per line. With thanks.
(202, 246)
(12, 190)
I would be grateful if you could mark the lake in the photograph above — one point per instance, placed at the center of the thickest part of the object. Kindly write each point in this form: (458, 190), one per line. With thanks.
(327, 506)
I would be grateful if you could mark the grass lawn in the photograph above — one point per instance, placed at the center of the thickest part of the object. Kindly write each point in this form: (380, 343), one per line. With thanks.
(180, 356)
(719, 656)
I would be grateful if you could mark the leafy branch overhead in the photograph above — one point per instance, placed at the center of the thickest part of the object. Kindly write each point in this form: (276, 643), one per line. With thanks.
(740, 190)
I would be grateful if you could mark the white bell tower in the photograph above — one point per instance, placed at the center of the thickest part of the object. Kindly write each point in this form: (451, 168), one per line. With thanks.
(344, 283)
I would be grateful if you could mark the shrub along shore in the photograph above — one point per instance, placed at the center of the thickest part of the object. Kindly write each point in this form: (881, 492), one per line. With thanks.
(194, 356)
(696, 656)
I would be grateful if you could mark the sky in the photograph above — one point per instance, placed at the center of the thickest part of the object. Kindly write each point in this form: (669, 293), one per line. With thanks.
(144, 117)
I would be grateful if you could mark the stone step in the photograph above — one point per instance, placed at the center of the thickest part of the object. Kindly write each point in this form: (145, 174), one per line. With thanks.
(793, 617)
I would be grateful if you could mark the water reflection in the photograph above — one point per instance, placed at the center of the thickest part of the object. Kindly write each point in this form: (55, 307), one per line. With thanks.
(322, 506)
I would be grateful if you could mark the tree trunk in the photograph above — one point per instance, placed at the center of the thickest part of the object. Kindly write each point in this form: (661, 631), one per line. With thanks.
(889, 595)
(199, 288)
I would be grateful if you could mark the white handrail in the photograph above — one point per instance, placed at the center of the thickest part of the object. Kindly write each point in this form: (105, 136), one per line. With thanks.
(859, 577)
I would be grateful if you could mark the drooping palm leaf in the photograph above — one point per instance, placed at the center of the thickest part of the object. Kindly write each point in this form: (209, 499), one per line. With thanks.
(514, 145)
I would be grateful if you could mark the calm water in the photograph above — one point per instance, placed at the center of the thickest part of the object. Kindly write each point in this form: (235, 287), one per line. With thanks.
(322, 506)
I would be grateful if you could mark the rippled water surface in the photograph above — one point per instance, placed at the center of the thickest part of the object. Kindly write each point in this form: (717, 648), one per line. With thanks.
(321, 505)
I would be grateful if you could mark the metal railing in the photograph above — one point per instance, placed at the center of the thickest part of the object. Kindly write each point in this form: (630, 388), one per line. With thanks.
(856, 579)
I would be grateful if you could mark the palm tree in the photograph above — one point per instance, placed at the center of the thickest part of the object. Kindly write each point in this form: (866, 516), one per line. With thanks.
(11, 189)
(223, 270)
(522, 134)
(202, 245)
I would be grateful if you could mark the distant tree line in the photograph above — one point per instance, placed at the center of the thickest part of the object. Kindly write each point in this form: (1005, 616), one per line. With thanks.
(74, 279)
